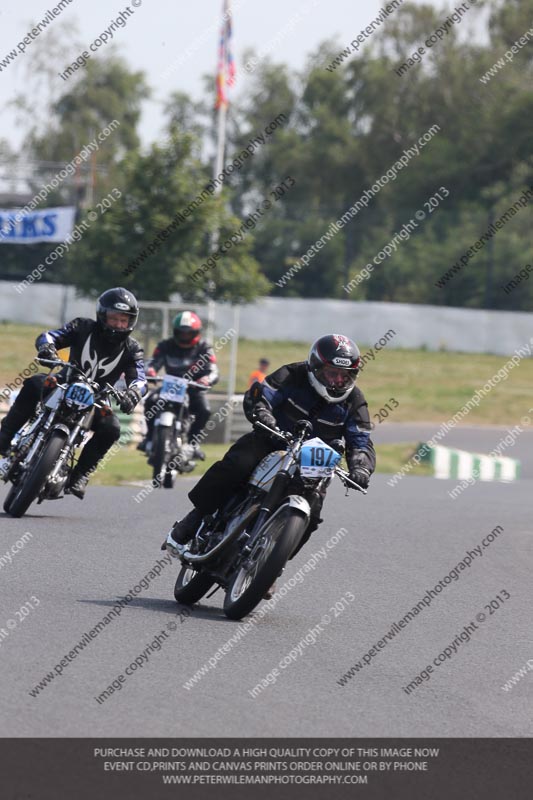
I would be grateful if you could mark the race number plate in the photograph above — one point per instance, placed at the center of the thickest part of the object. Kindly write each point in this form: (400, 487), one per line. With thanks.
(173, 389)
(317, 459)
(79, 395)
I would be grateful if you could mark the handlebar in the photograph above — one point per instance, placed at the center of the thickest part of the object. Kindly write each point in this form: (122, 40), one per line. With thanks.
(107, 389)
(286, 437)
(289, 438)
(347, 481)
(157, 379)
(55, 362)
(58, 362)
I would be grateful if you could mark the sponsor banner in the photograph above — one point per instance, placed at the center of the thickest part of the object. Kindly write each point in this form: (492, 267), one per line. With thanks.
(42, 225)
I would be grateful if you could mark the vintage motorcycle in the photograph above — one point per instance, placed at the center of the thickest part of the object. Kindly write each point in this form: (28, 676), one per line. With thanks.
(169, 451)
(43, 451)
(244, 546)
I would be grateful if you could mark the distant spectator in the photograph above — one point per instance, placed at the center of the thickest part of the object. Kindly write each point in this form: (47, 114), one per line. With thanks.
(260, 373)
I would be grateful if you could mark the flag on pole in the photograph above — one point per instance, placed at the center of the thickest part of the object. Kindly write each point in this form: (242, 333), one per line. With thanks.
(226, 63)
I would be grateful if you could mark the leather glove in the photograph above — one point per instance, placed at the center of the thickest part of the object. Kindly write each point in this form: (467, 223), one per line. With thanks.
(267, 418)
(47, 351)
(130, 398)
(361, 476)
(359, 464)
(338, 445)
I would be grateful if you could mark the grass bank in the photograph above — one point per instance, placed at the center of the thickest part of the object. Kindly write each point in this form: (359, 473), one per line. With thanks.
(428, 386)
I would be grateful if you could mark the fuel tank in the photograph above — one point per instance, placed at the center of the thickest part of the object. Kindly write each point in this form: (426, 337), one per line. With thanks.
(266, 470)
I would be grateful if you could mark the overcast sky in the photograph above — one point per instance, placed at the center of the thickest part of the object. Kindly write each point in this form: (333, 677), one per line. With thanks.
(158, 33)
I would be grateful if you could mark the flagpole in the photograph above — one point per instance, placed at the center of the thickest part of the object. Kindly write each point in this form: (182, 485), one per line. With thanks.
(225, 78)
(215, 236)
(221, 145)
(219, 163)
(222, 105)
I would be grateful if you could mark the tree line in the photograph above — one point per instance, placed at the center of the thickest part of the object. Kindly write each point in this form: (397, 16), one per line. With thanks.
(346, 125)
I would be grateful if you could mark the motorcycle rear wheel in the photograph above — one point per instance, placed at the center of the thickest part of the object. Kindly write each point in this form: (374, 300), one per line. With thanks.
(251, 581)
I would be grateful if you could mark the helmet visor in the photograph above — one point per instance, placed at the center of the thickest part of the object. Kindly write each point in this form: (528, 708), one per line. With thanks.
(336, 379)
(185, 336)
(120, 320)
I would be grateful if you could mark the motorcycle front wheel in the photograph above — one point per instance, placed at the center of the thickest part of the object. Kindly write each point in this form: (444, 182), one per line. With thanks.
(169, 479)
(161, 455)
(279, 539)
(10, 497)
(31, 484)
(191, 586)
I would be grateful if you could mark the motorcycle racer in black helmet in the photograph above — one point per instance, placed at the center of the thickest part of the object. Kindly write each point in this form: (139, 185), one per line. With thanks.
(104, 350)
(333, 365)
(321, 390)
(116, 301)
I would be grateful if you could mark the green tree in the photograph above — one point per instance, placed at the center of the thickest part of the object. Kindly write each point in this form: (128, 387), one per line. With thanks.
(346, 127)
(154, 187)
(107, 90)
(104, 91)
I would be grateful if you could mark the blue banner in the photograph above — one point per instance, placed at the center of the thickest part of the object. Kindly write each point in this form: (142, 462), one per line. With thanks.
(42, 225)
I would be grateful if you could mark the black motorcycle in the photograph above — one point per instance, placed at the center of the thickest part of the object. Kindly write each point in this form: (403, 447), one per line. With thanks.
(245, 546)
(43, 451)
(169, 452)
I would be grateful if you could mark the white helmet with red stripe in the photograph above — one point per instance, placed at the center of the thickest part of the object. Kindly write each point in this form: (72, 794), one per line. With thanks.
(187, 328)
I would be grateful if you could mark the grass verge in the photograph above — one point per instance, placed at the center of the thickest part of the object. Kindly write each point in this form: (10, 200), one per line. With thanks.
(128, 465)
(427, 386)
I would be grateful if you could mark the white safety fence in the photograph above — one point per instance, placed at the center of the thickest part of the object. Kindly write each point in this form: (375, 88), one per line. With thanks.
(294, 319)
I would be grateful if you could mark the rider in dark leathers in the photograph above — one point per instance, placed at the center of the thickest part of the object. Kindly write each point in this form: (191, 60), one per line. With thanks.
(321, 390)
(185, 355)
(104, 350)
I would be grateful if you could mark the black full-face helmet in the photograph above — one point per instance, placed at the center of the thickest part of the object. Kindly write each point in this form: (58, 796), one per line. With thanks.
(333, 364)
(117, 312)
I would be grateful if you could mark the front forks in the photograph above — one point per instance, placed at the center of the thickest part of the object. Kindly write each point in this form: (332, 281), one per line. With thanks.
(66, 452)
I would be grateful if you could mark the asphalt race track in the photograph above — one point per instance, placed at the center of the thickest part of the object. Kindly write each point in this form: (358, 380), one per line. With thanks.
(399, 542)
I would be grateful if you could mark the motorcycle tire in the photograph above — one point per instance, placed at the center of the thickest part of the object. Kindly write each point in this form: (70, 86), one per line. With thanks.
(169, 479)
(244, 593)
(29, 487)
(9, 498)
(191, 586)
(160, 457)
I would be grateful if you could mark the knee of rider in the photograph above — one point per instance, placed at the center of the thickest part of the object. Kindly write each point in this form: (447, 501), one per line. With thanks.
(110, 430)
(31, 387)
(202, 415)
